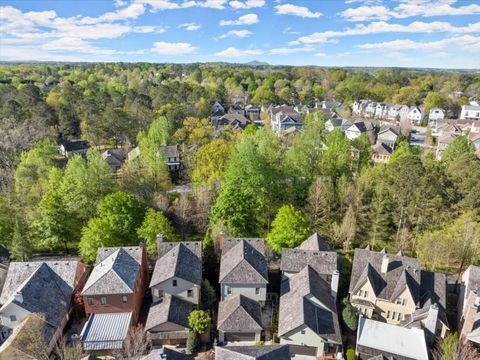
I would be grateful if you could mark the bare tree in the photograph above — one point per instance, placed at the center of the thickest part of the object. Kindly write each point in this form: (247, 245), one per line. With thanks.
(135, 345)
(72, 351)
(31, 337)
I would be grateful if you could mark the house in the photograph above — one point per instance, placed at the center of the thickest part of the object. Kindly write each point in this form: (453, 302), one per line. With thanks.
(388, 135)
(172, 157)
(337, 123)
(165, 353)
(43, 287)
(394, 288)
(378, 340)
(74, 147)
(237, 108)
(469, 305)
(329, 105)
(217, 109)
(239, 320)
(252, 113)
(313, 252)
(381, 110)
(436, 114)
(473, 138)
(167, 321)
(398, 112)
(235, 120)
(360, 128)
(243, 269)
(178, 271)
(283, 117)
(443, 142)
(113, 294)
(358, 107)
(114, 158)
(470, 112)
(415, 115)
(308, 320)
(265, 352)
(370, 109)
(381, 153)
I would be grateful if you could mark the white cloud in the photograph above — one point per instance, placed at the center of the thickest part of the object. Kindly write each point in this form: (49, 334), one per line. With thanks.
(190, 26)
(320, 54)
(119, 3)
(248, 19)
(236, 33)
(423, 8)
(132, 11)
(149, 29)
(232, 52)
(290, 50)
(75, 45)
(380, 27)
(249, 4)
(172, 5)
(302, 11)
(180, 48)
(363, 13)
(289, 30)
(466, 42)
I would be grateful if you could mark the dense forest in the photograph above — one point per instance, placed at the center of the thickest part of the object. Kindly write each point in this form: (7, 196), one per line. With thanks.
(250, 183)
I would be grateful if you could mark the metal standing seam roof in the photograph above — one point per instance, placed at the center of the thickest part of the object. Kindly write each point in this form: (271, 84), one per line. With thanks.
(105, 331)
(393, 339)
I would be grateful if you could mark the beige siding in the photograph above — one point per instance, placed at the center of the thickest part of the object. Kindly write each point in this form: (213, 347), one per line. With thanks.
(181, 290)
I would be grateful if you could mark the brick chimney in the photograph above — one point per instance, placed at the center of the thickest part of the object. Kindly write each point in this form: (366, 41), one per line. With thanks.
(159, 239)
(221, 241)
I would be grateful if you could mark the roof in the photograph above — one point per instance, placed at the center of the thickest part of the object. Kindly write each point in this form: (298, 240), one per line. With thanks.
(402, 272)
(306, 301)
(257, 243)
(388, 128)
(166, 353)
(294, 260)
(169, 309)
(239, 313)
(116, 271)
(105, 331)
(179, 261)
(244, 264)
(315, 243)
(170, 151)
(75, 145)
(46, 287)
(268, 352)
(230, 117)
(382, 149)
(114, 157)
(409, 343)
(362, 126)
(473, 279)
(471, 108)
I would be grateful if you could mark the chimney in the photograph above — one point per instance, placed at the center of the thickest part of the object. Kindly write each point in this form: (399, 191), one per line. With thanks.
(18, 297)
(385, 261)
(159, 239)
(334, 284)
(221, 241)
(431, 323)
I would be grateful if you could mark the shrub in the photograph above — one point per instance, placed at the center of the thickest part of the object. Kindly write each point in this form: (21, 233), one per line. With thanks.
(350, 353)
(199, 321)
(350, 319)
(193, 342)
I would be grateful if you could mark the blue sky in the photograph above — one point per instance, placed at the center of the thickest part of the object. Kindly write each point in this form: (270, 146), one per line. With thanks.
(410, 33)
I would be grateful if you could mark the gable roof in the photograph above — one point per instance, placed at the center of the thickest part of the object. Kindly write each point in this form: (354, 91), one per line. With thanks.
(361, 126)
(267, 352)
(169, 150)
(315, 243)
(389, 129)
(116, 273)
(114, 157)
(257, 243)
(179, 261)
(169, 309)
(243, 263)
(382, 149)
(105, 331)
(408, 343)
(75, 145)
(239, 313)
(402, 272)
(294, 260)
(306, 301)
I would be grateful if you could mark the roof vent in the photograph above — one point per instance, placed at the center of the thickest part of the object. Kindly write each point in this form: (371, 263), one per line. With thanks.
(385, 261)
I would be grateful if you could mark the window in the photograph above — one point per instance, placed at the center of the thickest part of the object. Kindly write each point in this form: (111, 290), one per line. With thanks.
(303, 332)
(103, 300)
(404, 302)
(229, 290)
(360, 293)
(174, 282)
(388, 315)
(90, 301)
(394, 315)
(365, 294)
(125, 298)
(13, 318)
(189, 293)
(257, 291)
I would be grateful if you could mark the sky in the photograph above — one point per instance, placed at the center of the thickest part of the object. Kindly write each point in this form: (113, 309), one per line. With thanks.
(404, 33)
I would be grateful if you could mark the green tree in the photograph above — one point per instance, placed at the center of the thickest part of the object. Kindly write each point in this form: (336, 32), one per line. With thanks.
(193, 342)
(199, 321)
(289, 229)
(155, 223)
(456, 148)
(321, 198)
(7, 221)
(209, 163)
(116, 222)
(208, 295)
(21, 247)
(350, 319)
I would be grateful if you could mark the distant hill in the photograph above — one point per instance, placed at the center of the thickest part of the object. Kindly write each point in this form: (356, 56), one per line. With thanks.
(257, 63)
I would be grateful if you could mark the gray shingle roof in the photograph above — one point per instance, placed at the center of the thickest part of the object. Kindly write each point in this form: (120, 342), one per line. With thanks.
(402, 272)
(269, 352)
(294, 260)
(169, 150)
(239, 313)
(46, 287)
(315, 243)
(179, 261)
(170, 309)
(115, 273)
(257, 243)
(474, 279)
(194, 246)
(243, 264)
(306, 300)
